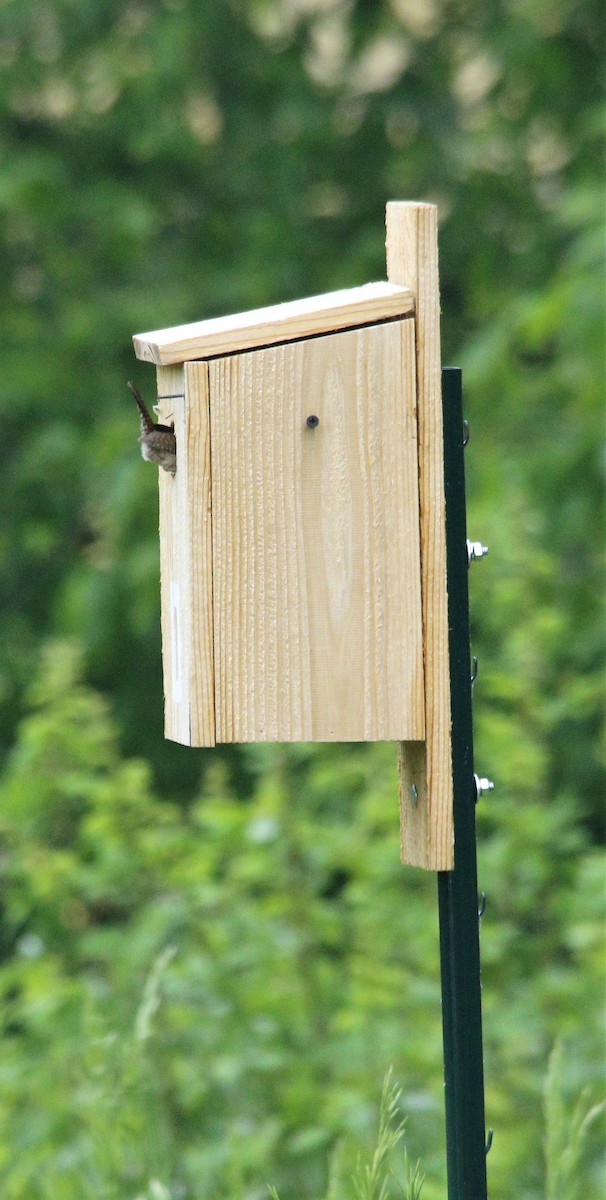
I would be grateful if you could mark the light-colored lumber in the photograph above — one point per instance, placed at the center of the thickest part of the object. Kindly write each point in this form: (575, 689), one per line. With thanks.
(317, 592)
(186, 559)
(279, 323)
(426, 812)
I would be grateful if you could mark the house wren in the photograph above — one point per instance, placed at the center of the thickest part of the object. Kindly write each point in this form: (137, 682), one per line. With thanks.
(158, 442)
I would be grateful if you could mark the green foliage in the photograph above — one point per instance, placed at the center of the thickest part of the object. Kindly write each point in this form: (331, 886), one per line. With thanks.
(566, 1132)
(209, 960)
(204, 999)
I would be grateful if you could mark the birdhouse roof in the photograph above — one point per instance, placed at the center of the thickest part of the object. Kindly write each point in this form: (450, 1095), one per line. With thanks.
(346, 309)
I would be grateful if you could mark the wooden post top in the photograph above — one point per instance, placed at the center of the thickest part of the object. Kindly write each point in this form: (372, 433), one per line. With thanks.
(346, 309)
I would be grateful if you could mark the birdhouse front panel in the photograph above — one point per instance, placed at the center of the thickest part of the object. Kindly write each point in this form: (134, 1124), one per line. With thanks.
(315, 540)
(290, 557)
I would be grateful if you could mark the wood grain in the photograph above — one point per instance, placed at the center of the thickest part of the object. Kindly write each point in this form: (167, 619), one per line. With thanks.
(317, 595)
(279, 323)
(186, 559)
(427, 824)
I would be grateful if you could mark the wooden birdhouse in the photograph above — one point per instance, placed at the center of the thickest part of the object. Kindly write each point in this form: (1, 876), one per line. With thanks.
(303, 575)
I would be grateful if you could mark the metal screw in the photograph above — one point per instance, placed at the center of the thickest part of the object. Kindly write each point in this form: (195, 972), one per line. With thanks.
(313, 421)
(414, 795)
(482, 785)
(475, 550)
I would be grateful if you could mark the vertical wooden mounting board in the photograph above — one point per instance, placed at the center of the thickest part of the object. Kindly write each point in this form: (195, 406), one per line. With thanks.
(186, 558)
(426, 790)
(317, 595)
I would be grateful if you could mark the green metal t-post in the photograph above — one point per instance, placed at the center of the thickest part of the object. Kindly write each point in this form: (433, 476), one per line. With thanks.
(458, 889)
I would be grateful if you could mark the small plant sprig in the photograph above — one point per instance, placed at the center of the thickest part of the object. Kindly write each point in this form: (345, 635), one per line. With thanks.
(565, 1131)
(375, 1180)
(372, 1181)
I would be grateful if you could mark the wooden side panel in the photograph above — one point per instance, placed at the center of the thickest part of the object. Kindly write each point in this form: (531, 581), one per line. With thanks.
(426, 815)
(186, 559)
(317, 600)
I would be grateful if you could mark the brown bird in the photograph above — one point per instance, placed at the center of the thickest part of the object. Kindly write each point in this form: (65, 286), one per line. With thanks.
(158, 442)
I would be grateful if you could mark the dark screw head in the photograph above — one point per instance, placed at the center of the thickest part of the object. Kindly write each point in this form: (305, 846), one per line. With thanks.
(313, 421)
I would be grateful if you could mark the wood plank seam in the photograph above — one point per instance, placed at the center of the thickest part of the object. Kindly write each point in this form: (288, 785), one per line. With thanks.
(308, 337)
(202, 663)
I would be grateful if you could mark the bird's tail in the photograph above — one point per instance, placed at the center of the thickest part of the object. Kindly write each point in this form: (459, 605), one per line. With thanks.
(146, 420)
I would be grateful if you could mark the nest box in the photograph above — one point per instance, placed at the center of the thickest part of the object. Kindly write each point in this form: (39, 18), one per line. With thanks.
(302, 541)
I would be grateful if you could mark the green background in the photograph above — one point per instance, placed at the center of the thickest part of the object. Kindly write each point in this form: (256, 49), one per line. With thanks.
(209, 960)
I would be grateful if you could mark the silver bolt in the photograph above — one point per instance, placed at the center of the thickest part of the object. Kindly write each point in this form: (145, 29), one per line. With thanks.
(482, 785)
(475, 550)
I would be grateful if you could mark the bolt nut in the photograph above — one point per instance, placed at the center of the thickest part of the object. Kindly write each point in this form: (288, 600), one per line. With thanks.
(475, 550)
(482, 785)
